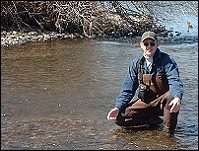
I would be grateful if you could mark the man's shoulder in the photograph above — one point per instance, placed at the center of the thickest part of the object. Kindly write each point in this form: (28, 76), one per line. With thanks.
(162, 54)
(165, 57)
(134, 61)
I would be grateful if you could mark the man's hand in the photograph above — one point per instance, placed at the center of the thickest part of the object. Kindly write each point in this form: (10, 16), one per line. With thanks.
(112, 115)
(175, 105)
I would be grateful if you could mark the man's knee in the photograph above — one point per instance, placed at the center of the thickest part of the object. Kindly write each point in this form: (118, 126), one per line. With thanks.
(120, 120)
(167, 99)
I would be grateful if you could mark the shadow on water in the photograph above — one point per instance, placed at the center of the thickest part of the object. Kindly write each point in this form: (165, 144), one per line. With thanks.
(56, 95)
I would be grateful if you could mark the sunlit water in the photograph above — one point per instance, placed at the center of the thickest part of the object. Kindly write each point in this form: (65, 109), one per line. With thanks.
(56, 95)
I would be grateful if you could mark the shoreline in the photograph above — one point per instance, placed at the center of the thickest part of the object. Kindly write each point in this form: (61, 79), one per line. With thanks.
(18, 38)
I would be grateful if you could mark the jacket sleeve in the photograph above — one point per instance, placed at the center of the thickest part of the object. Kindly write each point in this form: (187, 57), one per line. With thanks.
(129, 86)
(175, 83)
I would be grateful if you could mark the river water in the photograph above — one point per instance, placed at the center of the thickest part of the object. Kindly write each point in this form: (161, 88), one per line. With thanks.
(56, 95)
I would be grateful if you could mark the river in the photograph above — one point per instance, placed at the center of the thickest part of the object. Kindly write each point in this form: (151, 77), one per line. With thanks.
(56, 95)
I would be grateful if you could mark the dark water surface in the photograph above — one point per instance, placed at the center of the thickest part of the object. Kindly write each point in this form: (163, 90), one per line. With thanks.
(56, 95)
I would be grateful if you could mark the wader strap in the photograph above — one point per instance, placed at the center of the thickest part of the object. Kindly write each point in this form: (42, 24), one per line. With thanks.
(140, 71)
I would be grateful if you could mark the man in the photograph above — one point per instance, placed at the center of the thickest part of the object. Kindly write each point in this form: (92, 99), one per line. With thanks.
(155, 76)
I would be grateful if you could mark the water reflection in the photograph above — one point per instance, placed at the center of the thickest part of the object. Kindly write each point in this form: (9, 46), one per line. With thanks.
(55, 95)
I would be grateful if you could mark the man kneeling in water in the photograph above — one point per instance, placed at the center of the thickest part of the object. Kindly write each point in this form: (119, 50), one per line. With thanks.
(155, 74)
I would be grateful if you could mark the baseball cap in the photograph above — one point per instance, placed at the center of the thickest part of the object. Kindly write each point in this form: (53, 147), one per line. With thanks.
(149, 34)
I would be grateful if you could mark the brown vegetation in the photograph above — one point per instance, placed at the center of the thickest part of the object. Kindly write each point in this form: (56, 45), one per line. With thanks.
(87, 18)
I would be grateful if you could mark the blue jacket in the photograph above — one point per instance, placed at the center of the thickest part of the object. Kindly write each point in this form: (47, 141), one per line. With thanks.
(161, 62)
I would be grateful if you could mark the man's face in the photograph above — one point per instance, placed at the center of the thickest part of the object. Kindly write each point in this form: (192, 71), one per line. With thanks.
(149, 46)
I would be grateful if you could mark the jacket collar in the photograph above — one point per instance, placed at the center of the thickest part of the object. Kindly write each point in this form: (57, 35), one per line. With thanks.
(157, 54)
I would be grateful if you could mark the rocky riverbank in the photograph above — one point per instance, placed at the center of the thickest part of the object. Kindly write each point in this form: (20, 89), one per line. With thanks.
(17, 38)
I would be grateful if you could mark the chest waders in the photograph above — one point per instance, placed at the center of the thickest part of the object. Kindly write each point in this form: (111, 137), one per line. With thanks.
(151, 86)
(153, 99)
